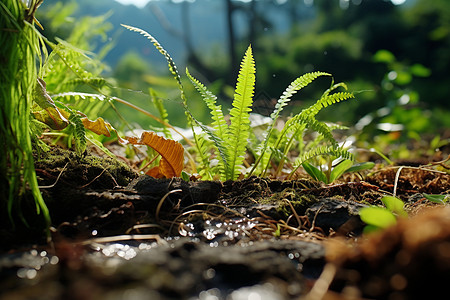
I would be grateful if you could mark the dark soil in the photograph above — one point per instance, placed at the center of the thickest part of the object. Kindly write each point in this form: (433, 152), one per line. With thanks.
(117, 235)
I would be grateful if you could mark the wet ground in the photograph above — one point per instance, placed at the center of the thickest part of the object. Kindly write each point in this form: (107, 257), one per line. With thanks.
(119, 236)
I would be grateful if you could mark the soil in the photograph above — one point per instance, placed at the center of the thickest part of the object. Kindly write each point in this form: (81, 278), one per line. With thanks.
(119, 235)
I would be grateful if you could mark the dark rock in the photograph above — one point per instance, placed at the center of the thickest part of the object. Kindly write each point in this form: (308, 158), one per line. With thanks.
(332, 213)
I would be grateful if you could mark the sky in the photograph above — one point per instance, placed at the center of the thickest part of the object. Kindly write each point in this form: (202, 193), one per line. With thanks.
(142, 3)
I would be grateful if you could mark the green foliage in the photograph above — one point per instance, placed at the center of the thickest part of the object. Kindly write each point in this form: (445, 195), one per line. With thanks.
(378, 218)
(294, 127)
(78, 131)
(441, 199)
(344, 166)
(20, 47)
(239, 130)
(230, 141)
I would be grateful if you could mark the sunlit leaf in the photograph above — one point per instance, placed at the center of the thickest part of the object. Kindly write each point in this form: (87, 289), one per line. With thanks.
(50, 114)
(99, 126)
(384, 56)
(377, 216)
(420, 70)
(395, 205)
(172, 154)
(340, 169)
(314, 172)
(361, 166)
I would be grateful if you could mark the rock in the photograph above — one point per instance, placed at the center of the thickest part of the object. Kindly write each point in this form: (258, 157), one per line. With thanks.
(333, 213)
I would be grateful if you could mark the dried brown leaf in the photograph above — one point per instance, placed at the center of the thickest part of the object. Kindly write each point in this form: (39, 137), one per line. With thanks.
(172, 154)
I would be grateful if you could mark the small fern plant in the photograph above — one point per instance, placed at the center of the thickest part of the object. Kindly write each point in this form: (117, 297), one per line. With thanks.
(230, 140)
(225, 136)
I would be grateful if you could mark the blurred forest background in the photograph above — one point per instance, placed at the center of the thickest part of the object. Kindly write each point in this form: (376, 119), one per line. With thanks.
(396, 58)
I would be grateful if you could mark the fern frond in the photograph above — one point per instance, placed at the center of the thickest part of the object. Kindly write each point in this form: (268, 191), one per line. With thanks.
(97, 82)
(322, 150)
(218, 143)
(239, 129)
(79, 133)
(172, 67)
(292, 89)
(320, 127)
(327, 100)
(219, 124)
(78, 96)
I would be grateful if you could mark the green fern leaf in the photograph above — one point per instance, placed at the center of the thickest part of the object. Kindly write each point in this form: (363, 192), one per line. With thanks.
(172, 67)
(327, 100)
(218, 143)
(79, 133)
(292, 89)
(239, 129)
(219, 124)
(322, 150)
(318, 126)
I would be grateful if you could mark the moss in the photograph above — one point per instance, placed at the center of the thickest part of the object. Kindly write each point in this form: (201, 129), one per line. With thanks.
(299, 201)
(82, 170)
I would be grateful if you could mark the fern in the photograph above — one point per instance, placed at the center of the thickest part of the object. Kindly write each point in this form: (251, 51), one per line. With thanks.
(230, 141)
(78, 132)
(219, 124)
(77, 96)
(330, 150)
(295, 126)
(239, 129)
(327, 100)
(292, 89)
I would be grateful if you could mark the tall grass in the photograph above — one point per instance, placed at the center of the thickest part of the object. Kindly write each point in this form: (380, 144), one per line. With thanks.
(18, 52)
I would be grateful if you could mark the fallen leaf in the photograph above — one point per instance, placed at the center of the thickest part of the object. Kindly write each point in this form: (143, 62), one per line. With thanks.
(172, 154)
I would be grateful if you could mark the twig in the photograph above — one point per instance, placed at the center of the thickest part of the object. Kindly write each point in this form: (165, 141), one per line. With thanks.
(397, 175)
(90, 182)
(313, 225)
(56, 181)
(118, 238)
(158, 208)
(322, 284)
(294, 213)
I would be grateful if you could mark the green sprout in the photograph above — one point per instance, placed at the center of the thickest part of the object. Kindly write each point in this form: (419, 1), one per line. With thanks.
(378, 218)
(333, 173)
